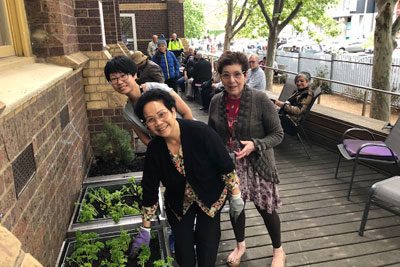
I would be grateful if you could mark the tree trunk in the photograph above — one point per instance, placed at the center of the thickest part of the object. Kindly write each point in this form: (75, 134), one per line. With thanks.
(381, 71)
(271, 50)
(228, 27)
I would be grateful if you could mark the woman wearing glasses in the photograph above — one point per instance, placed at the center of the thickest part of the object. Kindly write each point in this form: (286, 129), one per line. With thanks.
(248, 123)
(121, 72)
(190, 160)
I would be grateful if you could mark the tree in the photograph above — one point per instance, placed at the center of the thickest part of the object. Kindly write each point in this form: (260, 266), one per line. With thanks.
(284, 12)
(236, 19)
(194, 19)
(384, 44)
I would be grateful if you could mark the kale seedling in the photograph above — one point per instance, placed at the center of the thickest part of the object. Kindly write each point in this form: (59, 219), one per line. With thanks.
(118, 246)
(144, 255)
(88, 211)
(86, 249)
(162, 263)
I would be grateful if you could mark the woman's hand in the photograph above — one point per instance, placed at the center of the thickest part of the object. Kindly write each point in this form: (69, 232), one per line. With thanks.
(279, 103)
(246, 150)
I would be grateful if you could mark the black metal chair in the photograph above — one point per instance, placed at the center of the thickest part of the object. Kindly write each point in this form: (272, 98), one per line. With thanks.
(386, 152)
(383, 194)
(299, 128)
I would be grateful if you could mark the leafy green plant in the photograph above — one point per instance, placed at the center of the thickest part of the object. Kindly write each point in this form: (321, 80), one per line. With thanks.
(118, 246)
(162, 263)
(88, 211)
(114, 144)
(325, 86)
(113, 204)
(86, 249)
(144, 255)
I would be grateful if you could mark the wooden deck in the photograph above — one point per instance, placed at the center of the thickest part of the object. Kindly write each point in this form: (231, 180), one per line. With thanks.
(319, 225)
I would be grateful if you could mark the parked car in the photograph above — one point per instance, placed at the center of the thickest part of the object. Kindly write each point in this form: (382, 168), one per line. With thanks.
(303, 47)
(346, 46)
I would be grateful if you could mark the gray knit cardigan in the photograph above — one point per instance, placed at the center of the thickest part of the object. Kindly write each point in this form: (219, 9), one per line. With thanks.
(258, 121)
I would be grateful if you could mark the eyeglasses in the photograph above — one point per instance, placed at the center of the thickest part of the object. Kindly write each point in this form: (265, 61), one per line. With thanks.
(252, 61)
(123, 77)
(162, 115)
(236, 75)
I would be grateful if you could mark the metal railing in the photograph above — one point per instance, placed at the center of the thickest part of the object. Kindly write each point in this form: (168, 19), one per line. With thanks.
(327, 60)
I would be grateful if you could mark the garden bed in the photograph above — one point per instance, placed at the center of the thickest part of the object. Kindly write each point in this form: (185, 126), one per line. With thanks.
(101, 167)
(103, 221)
(103, 252)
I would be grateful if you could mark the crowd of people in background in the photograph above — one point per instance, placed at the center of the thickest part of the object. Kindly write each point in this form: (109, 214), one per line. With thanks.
(237, 166)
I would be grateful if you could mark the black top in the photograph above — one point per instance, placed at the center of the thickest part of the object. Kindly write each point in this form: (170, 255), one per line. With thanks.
(201, 71)
(205, 160)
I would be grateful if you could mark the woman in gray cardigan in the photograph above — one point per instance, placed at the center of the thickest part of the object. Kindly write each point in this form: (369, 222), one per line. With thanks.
(249, 126)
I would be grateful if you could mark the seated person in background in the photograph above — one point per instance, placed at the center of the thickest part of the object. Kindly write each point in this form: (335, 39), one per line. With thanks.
(121, 73)
(201, 73)
(256, 76)
(263, 62)
(148, 71)
(292, 110)
(188, 63)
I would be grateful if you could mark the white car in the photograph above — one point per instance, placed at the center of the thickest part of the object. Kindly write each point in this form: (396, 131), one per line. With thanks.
(303, 47)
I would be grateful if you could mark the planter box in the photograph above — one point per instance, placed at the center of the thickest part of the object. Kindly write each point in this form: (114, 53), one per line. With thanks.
(157, 246)
(105, 225)
(106, 179)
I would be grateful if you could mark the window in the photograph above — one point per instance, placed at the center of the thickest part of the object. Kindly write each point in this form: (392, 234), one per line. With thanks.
(14, 34)
(128, 28)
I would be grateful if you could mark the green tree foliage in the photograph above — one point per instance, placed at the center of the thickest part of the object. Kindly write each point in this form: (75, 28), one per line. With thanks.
(114, 144)
(194, 19)
(279, 13)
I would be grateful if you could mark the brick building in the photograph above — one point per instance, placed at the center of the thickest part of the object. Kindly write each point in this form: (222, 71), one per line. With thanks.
(52, 54)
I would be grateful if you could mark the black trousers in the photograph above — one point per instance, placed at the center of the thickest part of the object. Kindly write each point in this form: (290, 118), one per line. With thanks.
(172, 83)
(287, 124)
(205, 97)
(271, 221)
(206, 235)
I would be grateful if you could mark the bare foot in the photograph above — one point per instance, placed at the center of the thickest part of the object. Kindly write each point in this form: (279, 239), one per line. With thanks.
(279, 258)
(234, 258)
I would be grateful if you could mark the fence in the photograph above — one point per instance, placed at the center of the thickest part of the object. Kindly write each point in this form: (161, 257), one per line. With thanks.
(351, 69)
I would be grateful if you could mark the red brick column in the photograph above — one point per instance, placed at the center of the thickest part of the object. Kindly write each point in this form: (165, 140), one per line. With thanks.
(111, 21)
(89, 25)
(175, 19)
(52, 26)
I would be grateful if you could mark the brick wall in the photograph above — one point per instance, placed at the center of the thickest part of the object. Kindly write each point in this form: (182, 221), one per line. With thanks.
(175, 19)
(87, 15)
(111, 20)
(39, 216)
(52, 26)
(155, 17)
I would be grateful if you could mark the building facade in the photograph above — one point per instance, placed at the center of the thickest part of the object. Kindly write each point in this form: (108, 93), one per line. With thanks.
(52, 55)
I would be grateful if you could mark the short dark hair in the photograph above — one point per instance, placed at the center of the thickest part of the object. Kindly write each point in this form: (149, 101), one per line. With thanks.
(154, 95)
(231, 58)
(122, 64)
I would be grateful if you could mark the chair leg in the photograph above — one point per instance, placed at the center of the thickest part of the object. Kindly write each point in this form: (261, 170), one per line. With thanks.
(301, 141)
(305, 136)
(337, 165)
(365, 216)
(352, 178)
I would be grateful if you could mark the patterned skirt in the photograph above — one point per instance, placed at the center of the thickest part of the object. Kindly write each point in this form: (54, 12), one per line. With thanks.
(253, 187)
